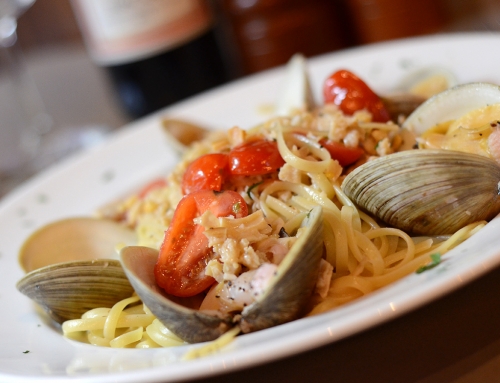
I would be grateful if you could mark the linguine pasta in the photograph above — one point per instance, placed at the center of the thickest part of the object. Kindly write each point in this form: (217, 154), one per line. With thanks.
(361, 255)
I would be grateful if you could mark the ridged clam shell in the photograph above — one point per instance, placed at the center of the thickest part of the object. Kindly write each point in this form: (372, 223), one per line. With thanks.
(285, 299)
(427, 192)
(67, 290)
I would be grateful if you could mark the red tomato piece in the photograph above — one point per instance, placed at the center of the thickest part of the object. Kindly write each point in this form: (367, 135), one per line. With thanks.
(256, 157)
(343, 154)
(155, 184)
(351, 94)
(206, 172)
(184, 253)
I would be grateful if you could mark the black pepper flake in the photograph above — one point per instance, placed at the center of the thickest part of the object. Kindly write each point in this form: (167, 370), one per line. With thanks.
(283, 233)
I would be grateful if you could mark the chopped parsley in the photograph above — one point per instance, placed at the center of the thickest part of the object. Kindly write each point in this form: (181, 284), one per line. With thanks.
(251, 188)
(236, 207)
(435, 260)
(26, 352)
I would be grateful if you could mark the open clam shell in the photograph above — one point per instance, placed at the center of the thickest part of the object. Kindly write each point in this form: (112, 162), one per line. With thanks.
(285, 299)
(69, 289)
(181, 133)
(451, 104)
(415, 88)
(427, 192)
(71, 268)
(178, 315)
(73, 239)
(428, 81)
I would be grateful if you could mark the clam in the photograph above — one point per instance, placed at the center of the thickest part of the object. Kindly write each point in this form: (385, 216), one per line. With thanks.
(428, 192)
(451, 104)
(415, 88)
(69, 289)
(441, 188)
(72, 266)
(181, 133)
(401, 105)
(296, 92)
(285, 298)
(427, 81)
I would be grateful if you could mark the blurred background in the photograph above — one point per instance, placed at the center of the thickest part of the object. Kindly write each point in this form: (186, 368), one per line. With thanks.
(85, 97)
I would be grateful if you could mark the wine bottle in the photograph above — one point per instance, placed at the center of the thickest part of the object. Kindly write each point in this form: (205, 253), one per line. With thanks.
(156, 52)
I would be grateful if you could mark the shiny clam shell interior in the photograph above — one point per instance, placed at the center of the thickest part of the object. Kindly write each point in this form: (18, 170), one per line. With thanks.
(428, 192)
(451, 104)
(67, 290)
(74, 239)
(285, 299)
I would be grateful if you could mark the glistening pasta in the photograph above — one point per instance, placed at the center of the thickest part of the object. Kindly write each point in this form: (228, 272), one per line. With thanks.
(360, 254)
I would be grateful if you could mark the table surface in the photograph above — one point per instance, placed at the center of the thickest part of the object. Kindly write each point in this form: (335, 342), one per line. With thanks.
(454, 339)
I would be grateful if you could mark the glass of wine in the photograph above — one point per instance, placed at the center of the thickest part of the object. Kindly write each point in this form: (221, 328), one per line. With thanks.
(23, 120)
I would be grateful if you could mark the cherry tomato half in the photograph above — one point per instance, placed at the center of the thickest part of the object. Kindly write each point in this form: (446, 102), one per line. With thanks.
(206, 172)
(184, 253)
(351, 94)
(343, 154)
(256, 157)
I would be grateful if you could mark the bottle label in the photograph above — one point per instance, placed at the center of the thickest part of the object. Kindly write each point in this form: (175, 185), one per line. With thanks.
(121, 31)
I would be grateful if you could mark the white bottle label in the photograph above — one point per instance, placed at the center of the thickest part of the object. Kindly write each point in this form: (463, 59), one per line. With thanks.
(120, 31)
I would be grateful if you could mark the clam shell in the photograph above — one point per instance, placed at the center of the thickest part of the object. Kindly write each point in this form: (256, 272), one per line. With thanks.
(427, 192)
(181, 133)
(451, 104)
(73, 239)
(427, 81)
(285, 299)
(288, 296)
(296, 92)
(175, 313)
(69, 289)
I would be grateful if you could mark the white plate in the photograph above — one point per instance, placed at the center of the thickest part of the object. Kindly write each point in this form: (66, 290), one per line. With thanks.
(31, 349)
